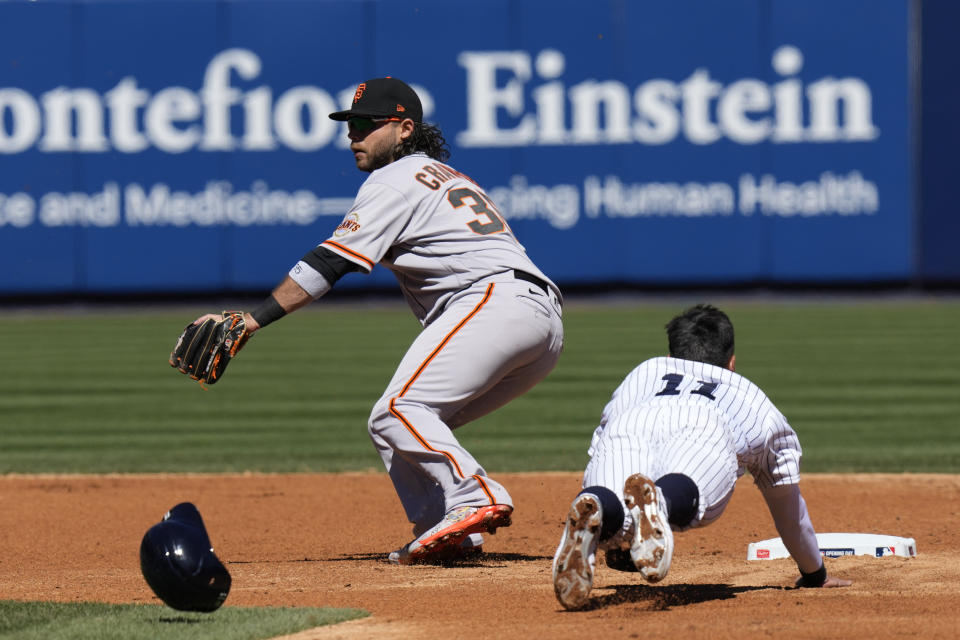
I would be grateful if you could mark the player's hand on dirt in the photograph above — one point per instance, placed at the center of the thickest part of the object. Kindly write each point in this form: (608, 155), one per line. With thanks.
(829, 583)
(832, 582)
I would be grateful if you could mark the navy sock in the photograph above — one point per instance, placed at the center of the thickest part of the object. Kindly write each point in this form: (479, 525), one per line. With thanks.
(682, 496)
(612, 510)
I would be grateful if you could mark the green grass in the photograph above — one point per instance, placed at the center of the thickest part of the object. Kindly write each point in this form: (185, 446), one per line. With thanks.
(869, 386)
(96, 621)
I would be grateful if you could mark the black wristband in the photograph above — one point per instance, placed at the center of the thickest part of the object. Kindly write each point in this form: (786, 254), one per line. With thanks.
(815, 579)
(268, 311)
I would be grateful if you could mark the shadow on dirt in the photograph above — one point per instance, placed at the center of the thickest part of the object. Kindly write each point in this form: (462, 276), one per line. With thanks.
(668, 596)
(488, 560)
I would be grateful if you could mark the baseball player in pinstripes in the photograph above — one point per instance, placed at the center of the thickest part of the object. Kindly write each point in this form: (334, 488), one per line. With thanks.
(672, 441)
(492, 319)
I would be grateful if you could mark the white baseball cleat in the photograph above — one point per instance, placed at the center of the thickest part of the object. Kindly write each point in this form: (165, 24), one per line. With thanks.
(652, 547)
(575, 561)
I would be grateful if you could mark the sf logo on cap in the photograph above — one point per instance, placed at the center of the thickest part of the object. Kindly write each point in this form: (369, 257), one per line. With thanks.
(360, 89)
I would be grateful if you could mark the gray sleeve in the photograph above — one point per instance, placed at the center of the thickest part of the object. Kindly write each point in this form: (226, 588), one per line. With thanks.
(793, 523)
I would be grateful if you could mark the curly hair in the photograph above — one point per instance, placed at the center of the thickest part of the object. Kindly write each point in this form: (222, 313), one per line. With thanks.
(426, 138)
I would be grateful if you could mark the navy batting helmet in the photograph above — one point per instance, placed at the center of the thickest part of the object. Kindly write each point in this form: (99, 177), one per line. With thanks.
(178, 562)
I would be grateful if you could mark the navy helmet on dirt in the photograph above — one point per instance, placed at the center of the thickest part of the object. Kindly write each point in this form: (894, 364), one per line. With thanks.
(178, 562)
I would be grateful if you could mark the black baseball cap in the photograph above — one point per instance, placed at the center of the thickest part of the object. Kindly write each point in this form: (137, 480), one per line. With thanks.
(383, 98)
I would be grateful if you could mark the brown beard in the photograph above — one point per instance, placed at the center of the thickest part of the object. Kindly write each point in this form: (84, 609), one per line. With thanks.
(381, 160)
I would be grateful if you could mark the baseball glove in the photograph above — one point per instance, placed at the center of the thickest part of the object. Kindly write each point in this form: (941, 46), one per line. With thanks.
(204, 350)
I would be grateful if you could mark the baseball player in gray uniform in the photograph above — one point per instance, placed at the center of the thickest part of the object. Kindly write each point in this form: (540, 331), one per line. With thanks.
(672, 441)
(491, 318)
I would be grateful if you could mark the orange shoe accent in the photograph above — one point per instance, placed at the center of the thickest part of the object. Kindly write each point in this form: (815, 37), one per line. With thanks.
(451, 531)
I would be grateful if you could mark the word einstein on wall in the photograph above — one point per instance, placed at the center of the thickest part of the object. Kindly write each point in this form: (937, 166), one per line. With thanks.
(513, 98)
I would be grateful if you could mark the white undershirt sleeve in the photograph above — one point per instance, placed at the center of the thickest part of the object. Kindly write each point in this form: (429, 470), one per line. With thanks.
(311, 280)
(793, 523)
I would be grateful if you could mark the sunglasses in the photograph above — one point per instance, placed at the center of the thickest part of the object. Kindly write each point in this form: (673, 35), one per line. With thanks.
(363, 125)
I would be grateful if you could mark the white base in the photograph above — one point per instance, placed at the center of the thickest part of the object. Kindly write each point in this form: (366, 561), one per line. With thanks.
(834, 545)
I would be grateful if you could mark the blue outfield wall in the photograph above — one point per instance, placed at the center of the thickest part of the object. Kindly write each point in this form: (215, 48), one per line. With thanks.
(184, 145)
(939, 104)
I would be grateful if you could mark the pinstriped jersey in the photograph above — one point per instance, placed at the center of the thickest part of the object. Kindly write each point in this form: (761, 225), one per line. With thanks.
(669, 397)
(436, 229)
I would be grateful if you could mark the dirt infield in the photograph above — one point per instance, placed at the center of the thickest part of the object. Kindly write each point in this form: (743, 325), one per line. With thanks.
(322, 540)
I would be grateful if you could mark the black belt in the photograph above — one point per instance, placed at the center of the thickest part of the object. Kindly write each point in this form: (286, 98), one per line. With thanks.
(532, 279)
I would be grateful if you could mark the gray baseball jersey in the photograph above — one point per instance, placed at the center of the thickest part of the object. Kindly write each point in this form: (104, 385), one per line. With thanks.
(492, 321)
(434, 227)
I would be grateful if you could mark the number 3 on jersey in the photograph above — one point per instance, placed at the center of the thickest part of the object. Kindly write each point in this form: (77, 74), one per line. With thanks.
(480, 205)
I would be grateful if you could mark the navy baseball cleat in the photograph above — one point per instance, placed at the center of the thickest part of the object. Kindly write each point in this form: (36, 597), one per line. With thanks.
(620, 560)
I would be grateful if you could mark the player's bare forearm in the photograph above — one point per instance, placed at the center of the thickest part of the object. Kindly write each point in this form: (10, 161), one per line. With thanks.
(289, 295)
